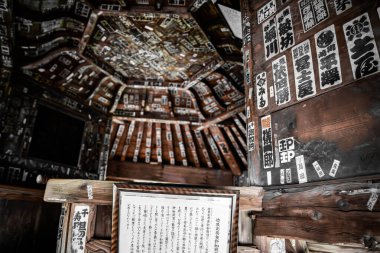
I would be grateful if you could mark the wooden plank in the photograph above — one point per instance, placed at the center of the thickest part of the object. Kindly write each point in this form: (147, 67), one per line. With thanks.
(235, 145)
(198, 136)
(191, 145)
(75, 190)
(140, 133)
(95, 246)
(181, 144)
(148, 143)
(158, 142)
(240, 138)
(244, 249)
(329, 248)
(119, 134)
(128, 140)
(224, 149)
(20, 193)
(214, 148)
(240, 125)
(169, 140)
(63, 227)
(221, 117)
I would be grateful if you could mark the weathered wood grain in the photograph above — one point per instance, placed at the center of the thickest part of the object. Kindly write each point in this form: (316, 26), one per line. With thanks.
(20, 193)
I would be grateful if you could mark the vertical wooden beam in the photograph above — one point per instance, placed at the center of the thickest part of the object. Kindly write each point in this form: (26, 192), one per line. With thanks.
(235, 145)
(201, 142)
(140, 133)
(148, 143)
(241, 140)
(128, 140)
(242, 116)
(103, 158)
(119, 134)
(169, 139)
(158, 142)
(223, 147)
(193, 149)
(214, 148)
(181, 144)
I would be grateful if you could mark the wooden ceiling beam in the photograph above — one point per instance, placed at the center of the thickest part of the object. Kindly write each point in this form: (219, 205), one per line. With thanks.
(128, 140)
(235, 145)
(181, 144)
(148, 143)
(198, 136)
(240, 138)
(214, 148)
(140, 133)
(158, 142)
(191, 145)
(169, 139)
(229, 157)
(115, 145)
(240, 125)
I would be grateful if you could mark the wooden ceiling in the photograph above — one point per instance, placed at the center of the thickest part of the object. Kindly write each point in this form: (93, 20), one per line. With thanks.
(169, 72)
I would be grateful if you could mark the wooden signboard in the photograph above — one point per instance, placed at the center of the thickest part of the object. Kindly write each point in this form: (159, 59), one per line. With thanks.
(173, 219)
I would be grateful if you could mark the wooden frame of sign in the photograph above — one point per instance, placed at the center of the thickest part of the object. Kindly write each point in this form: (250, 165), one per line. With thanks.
(191, 219)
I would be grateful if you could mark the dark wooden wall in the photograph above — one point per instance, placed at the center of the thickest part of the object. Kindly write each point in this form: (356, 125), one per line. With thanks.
(28, 226)
(339, 123)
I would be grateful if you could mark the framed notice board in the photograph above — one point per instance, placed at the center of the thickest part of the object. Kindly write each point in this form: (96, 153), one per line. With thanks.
(150, 218)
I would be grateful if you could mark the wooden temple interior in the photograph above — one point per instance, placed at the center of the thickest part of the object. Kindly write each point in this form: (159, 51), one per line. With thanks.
(276, 99)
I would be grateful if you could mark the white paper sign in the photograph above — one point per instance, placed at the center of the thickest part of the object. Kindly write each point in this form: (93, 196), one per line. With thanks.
(328, 58)
(261, 90)
(281, 81)
(271, 91)
(301, 169)
(266, 11)
(267, 145)
(282, 176)
(233, 18)
(318, 169)
(79, 228)
(334, 168)
(286, 149)
(303, 70)
(277, 245)
(288, 175)
(174, 223)
(251, 136)
(270, 38)
(361, 45)
(285, 29)
(342, 5)
(269, 178)
(313, 12)
(372, 201)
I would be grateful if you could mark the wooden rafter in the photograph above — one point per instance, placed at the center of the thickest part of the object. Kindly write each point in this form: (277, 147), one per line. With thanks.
(140, 133)
(192, 147)
(198, 136)
(148, 143)
(181, 144)
(221, 117)
(240, 138)
(240, 125)
(217, 135)
(236, 146)
(128, 140)
(169, 139)
(119, 134)
(158, 142)
(214, 148)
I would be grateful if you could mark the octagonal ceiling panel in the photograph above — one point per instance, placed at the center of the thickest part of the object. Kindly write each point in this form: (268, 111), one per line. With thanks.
(167, 47)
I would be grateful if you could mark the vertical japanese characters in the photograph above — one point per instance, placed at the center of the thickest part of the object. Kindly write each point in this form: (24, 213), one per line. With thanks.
(328, 58)
(361, 45)
(267, 146)
(303, 70)
(342, 5)
(270, 38)
(261, 90)
(313, 12)
(79, 231)
(281, 81)
(251, 136)
(266, 11)
(285, 29)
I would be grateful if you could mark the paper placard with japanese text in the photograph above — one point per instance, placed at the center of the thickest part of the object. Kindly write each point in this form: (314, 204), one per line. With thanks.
(79, 228)
(303, 70)
(266, 11)
(342, 5)
(285, 29)
(361, 45)
(270, 38)
(330, 73)
(155, 222)
(281, 81)
(313, 12)
(261, 90)
(267, 145)
(251, 136)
